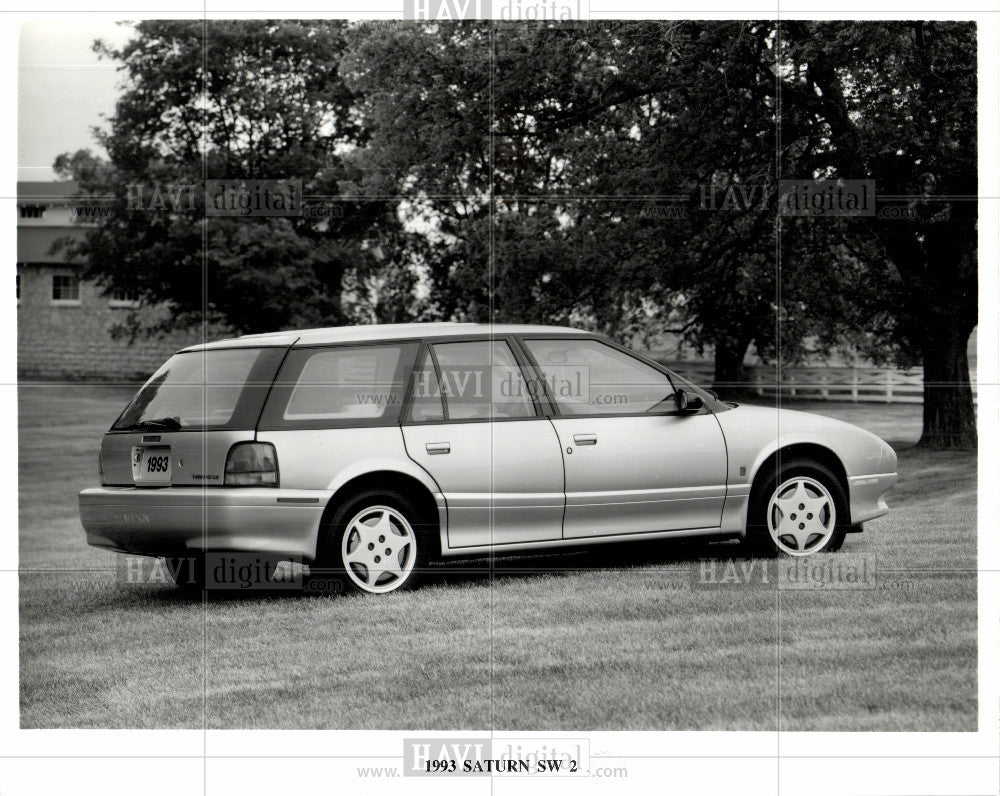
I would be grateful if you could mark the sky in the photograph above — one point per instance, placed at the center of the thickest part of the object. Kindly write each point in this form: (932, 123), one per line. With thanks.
(64, 89)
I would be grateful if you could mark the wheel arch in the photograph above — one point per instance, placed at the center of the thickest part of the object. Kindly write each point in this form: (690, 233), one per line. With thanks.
(405, 484)
(804, 450)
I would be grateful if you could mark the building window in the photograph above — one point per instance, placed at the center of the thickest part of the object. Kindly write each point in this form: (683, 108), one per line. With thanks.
(18, 288)
(32, 211)
(123, 298)
(65, 289)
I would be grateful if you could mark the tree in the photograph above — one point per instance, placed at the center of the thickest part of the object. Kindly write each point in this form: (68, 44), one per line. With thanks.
(424, 94)
(896, 101)
(614, 175)
(534, 174)
(477, 126)
(234, 100)
(671, 127)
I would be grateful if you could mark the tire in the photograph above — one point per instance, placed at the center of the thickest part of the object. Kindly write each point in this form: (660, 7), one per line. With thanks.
(187, 572)
(374, 543)
(839, 537)
(798, 510)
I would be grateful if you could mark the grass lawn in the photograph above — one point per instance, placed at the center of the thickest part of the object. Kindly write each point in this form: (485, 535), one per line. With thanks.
(615, 638)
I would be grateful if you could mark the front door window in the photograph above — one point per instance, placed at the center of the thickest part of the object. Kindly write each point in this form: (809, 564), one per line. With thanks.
(587, 377)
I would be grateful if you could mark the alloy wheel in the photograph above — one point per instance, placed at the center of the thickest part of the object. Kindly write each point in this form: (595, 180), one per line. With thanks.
(801, 516)
(379, 549)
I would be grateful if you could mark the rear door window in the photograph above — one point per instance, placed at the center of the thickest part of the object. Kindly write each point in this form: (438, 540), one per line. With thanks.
(340, 386)
(481, 380)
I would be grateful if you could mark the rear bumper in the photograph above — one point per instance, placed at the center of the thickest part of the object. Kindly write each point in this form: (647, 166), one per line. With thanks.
(177, 520)
(868, 495)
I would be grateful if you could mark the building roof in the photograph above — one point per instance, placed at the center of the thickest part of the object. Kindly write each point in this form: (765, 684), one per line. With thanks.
(387, 331)
(35, 244)
(51, 191)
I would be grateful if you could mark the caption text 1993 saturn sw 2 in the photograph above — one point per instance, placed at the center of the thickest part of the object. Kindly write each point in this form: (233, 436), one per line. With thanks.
(369, 451)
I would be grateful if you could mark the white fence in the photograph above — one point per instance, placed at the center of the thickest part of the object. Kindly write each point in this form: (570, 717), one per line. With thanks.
(882, 385)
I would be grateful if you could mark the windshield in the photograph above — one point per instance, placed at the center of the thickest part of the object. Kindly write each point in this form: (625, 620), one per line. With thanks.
(198, 389)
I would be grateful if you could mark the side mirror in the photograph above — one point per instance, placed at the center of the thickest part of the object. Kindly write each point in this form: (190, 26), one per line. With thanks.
(688, 403)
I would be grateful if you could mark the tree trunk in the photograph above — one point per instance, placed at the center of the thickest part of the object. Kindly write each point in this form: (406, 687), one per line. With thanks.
(729, 381)
(949, 415)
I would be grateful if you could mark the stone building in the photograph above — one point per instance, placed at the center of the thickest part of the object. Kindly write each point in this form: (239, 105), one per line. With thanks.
(64, 323)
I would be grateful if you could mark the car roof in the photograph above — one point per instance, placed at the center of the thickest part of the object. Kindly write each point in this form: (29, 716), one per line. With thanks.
(387, 331)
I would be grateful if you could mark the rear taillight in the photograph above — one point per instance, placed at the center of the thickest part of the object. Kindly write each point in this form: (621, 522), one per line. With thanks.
(252, 464)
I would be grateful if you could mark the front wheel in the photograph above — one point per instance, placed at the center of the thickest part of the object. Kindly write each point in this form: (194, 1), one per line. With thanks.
(799, 510)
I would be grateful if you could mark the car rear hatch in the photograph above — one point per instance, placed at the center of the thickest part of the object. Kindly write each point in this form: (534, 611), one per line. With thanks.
(179, 428)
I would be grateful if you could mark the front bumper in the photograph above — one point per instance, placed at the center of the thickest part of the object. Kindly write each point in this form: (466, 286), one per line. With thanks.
(177, 520)
(868, 495)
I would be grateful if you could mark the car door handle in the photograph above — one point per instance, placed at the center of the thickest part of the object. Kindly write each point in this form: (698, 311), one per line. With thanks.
(434, 448)
(585, 439)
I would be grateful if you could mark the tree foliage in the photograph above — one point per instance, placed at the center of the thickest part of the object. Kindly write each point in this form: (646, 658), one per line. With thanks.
(896, 102)
(234, 100)
(618, 175)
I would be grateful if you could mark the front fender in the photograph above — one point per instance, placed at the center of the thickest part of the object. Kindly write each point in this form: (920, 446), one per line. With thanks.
(753, 434)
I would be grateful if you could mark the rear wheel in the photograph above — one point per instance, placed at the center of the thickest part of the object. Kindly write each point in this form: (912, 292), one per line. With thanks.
(798, 510)
(377, 542)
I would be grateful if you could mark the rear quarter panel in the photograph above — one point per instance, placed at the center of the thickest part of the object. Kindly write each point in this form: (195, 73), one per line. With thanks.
(329, 458)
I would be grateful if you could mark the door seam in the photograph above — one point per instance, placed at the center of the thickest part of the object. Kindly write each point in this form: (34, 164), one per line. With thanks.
(562, 459)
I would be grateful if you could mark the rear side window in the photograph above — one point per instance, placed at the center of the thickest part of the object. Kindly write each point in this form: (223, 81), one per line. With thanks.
(340, 386)
(197, 390)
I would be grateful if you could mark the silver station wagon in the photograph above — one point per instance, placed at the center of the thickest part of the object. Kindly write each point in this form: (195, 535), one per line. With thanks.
(366, 452)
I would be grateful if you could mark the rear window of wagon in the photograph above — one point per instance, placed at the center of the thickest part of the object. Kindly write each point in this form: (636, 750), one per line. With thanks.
(219, 389)
(340, 386)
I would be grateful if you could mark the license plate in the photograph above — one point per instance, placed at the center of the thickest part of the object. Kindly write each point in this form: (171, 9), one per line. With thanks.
(151, 465)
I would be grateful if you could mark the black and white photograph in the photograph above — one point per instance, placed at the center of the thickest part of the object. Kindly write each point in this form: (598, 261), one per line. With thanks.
(514, 395)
